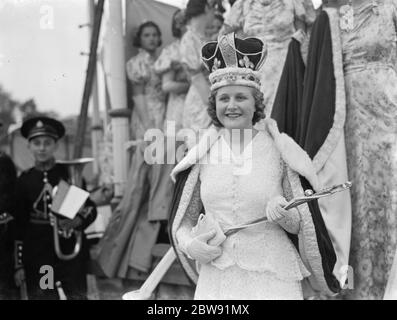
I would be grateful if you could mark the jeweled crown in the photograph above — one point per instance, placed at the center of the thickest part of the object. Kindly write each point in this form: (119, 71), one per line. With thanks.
(234, 61)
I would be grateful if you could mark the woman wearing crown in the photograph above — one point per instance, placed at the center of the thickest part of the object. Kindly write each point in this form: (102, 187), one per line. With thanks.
(237, 174)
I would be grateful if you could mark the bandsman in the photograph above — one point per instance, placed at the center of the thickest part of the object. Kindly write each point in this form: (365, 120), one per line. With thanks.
(37, 262)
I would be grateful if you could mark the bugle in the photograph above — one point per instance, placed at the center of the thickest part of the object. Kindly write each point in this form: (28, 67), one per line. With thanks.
(75, 170)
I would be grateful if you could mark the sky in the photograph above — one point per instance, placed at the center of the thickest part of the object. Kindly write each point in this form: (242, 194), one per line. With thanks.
(40, 45)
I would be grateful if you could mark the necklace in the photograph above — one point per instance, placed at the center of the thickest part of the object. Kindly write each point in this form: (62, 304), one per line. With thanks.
(346, 17)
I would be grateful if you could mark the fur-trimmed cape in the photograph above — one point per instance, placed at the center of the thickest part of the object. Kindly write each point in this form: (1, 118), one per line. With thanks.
(313, 241)
(310, 106)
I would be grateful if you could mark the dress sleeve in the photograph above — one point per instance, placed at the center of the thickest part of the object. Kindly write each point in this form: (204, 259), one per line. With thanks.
(235, 18)
(304, 11)
(189, 220)
(164, 61)
(138, 69)
(290, 223)
(190, 54)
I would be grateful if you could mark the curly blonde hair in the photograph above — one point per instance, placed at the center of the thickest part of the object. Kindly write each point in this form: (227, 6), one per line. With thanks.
(259, 107)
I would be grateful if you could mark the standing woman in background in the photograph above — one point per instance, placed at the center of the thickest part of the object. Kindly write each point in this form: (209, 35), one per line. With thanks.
(173, 76)
(370, 58)
(274, 21)
(149, 99)
(199, 14)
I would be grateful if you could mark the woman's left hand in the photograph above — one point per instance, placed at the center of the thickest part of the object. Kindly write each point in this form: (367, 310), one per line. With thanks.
(275, 209)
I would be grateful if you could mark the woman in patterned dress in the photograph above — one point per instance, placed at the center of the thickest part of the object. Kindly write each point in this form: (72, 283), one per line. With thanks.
(370, 62)
(149, 99)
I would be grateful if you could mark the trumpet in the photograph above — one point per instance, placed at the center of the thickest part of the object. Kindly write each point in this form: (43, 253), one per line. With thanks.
(75, 168)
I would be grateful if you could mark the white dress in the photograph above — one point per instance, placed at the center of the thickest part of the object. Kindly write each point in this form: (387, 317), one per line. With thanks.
(195, 114)
(260, 262)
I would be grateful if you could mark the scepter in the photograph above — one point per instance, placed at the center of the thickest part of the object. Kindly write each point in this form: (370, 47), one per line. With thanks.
(309, 195)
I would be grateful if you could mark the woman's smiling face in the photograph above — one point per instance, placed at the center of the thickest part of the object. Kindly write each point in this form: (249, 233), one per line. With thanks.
(235, 107)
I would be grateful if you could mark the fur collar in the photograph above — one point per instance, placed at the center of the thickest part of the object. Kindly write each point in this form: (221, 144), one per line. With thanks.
(293, 155)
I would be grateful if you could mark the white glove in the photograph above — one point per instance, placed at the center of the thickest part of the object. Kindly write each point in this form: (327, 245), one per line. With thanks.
(205, 224)
(275, 209)
(289, 220)
(199, 250)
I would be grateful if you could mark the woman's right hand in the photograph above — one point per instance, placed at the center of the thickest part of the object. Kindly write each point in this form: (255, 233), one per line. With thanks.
(275, 211)
(19, 277)
(199, 250)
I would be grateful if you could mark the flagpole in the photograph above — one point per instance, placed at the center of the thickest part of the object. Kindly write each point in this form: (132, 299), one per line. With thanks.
(96, 128)
(117, 86)
(92, 61)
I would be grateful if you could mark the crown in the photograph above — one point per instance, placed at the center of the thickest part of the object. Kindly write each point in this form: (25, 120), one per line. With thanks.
(234, 61)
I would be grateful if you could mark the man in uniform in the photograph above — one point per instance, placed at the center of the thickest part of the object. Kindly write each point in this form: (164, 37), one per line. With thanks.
(7, 188)
(36, 259)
